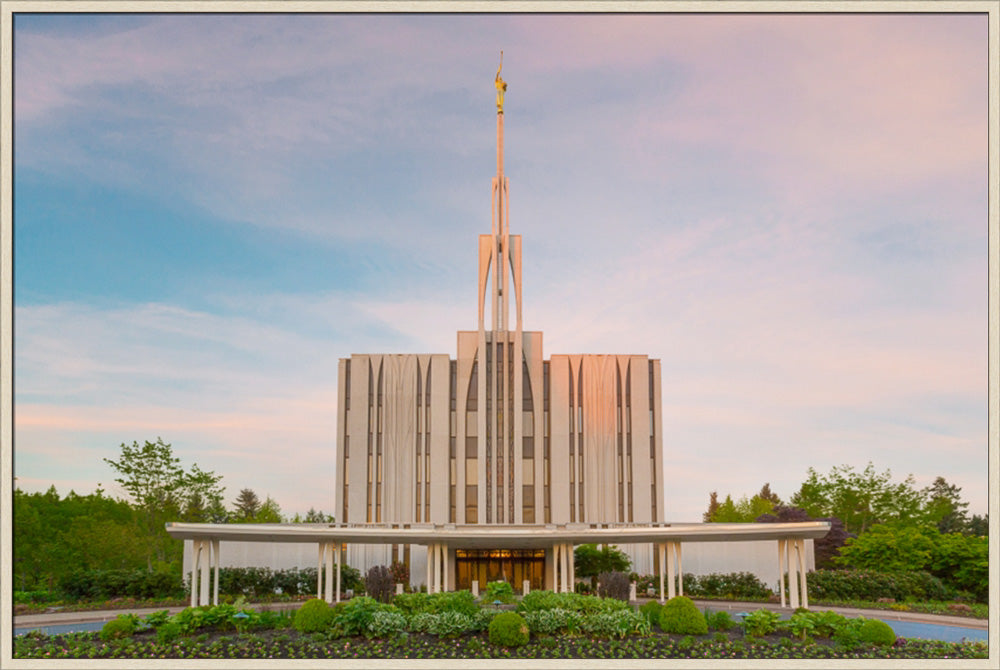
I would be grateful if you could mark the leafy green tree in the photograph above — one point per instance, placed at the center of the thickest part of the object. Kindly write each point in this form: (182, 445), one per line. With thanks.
(160, 488)
(713, 506)
(860, 499)
(979, 525)
(589, 561)
(889, 548)
(962, 561)
(269, 512)
(945, 508)
(744, 510)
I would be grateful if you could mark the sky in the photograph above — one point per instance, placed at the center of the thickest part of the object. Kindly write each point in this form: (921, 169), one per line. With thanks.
(789, 211)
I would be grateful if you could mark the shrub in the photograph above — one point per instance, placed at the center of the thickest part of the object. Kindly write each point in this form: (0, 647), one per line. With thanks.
(386, 624)
(354, 616)
(879, 633)
(617, 624)
(828, 623)
(400, 573)
(551, 621)
(802, 624)
(168, 632)
(872, 585)
(481, 619)
(680, 615)
(449, 624)
(124, 625)
(379, 584)
(651, 611)
(501, 591)
(509, 630)
(720, 620)
(314, 616)
(733, 586)
(761, 622)
(613, 585)
(120, 583)
(421, 621)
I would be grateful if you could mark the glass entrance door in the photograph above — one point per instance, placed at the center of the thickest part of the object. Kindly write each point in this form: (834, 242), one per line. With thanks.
(500, 565)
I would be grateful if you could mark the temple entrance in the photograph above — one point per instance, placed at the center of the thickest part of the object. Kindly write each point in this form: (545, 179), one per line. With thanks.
(500, 565)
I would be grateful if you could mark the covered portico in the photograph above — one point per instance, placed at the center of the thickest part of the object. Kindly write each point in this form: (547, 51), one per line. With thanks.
(442, 541)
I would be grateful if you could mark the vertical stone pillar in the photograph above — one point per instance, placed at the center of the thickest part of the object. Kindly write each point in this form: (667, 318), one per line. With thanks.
(328, 579)
(572, 567)
(430, 567)
(793, 576)
(195, 558)
(445, 568)
(800, 546)
(671, 583)
(338, 548)
(781, 570)
(319, 569)
(661, 548)
(680, 571)
(215, 556)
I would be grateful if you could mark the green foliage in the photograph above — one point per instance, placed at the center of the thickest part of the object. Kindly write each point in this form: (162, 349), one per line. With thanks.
(744, 510)
(168, 632)
(733, 586)
(802, 624)
(589, 561)
(962, 562)
(945, 508)
(720, 620)
(680, 615)
(379, 584)
(124, 625)
(761, 622)
(879, 633)
(860, 499)
(161, 490)
(888, 548)
(354, 616)
(542, 600)
(613, 585)
(552, 621)
(509, 630)
(386, 624)
(105, 584)
(616, 624)
(872, 585)
(449, 624)
(499, 590)
(453, 601)
(314, 616)
(651, 611)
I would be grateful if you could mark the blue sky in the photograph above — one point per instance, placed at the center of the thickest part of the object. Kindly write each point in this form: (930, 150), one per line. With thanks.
(789, 211)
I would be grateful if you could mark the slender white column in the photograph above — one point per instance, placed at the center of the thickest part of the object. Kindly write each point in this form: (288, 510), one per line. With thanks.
(662, 549)
(444, 567)
(338, 548)
(215, 556)
(671, 585)
(781, 570)
(572, 567)
(564, 564)
(195, 557)
(205, 579)
(328, 569)
(430, 567)
(800, 547)
(793, 576)
(319, 570)
(680, 572)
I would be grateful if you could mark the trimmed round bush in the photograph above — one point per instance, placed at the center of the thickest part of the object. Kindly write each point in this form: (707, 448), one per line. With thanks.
(313, 617)
(876, 632)
(681, 615)
(509, 630)
(122, 626)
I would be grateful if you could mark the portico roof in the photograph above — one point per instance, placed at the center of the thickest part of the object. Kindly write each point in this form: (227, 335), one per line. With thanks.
(499, 536)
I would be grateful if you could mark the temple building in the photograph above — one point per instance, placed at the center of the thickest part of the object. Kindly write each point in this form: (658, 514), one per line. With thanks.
(498, 435)
(494, 465)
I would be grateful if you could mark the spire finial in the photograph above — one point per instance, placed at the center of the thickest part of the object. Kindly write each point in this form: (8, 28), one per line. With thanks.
(501, 86)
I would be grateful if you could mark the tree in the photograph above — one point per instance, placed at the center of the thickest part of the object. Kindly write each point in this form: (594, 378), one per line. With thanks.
(743, 511)
(979, 525)
(246, 506)
(860, 499)
(160, 488)
(825, 548)
(944, 507)
(889, 547)
(767, 494)
(713, 506)
(589, 561)
(269, 512)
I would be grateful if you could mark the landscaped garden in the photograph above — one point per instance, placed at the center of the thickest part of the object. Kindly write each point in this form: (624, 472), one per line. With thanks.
(542, 624)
